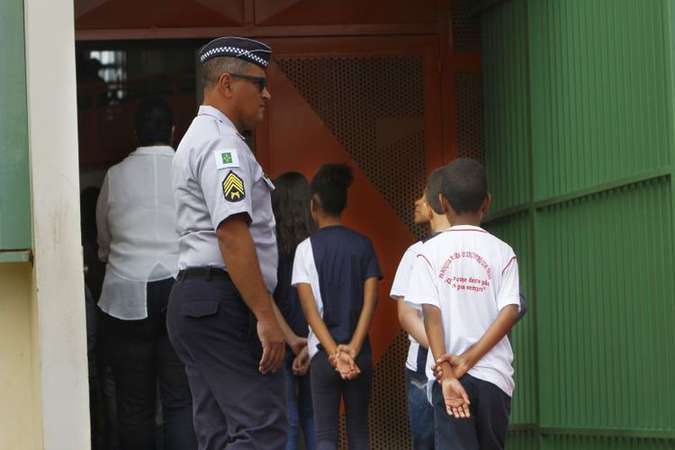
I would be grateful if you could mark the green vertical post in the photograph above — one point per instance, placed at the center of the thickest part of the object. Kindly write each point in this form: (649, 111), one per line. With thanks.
(532, 223)
(669, 27)
(15, 207)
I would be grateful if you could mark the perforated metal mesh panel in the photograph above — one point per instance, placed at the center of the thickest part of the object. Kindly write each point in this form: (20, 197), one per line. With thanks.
(469, 110)
(389, 411)
(374, 105)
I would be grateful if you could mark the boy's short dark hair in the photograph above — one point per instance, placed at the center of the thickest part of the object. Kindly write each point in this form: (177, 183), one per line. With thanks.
(433, 189)
(465, 185)
(154, 121)
(330, 185)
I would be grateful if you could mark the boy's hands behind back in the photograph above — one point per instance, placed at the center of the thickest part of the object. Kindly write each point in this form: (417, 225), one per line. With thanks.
(460, 365)
(454, 395)
(455, 398)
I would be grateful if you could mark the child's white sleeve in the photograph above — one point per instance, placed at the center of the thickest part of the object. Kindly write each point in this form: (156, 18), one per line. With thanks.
(422, 288)
(399, 287)
(509, 290)
(302, 264)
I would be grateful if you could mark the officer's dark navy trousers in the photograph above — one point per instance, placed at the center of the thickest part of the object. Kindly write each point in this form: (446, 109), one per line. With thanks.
(327, 390)
(141, 356)
(485, 430)
(214, 333)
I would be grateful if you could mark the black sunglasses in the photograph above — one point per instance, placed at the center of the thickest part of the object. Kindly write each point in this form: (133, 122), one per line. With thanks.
(260, 82)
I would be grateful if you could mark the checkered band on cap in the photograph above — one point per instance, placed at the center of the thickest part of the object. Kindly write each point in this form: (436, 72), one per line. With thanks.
(249, 50)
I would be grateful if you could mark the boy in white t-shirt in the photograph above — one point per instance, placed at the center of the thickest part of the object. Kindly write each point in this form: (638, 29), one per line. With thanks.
(466, 281)
(428, 209)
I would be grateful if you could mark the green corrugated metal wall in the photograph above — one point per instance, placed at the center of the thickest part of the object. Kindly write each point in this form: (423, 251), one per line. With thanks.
(579, 136)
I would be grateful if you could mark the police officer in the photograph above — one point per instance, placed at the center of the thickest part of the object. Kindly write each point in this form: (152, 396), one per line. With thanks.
(221, 315)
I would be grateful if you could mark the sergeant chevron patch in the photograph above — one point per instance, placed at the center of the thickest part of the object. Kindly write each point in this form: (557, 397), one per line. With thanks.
(233, 188)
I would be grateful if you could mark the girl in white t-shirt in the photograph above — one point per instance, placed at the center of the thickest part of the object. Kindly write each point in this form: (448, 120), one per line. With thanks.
(336, 273)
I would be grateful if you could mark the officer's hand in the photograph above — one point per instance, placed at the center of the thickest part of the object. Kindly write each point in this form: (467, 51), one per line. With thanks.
(273, 344)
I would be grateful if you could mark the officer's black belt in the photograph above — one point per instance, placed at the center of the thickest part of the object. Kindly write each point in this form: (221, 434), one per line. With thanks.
(203, 273)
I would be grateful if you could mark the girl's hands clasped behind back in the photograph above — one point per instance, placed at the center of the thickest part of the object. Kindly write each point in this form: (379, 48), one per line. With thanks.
(343, 362)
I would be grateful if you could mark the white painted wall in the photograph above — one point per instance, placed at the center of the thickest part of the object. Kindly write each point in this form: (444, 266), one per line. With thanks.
(58, 287)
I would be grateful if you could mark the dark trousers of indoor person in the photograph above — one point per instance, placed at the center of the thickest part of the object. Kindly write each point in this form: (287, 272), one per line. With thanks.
(327, 390)
(487, 426)
(215, 335)
(420, 411)
(141, 357)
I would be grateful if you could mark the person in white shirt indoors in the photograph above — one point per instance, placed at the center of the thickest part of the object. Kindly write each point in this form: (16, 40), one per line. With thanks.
(428, 209)
(466, 281)
(137, 238)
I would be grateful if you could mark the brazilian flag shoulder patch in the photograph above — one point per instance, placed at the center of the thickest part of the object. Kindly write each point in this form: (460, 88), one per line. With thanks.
(233, 187)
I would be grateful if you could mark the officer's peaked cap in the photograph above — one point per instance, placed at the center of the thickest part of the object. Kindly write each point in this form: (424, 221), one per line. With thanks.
(249, 50)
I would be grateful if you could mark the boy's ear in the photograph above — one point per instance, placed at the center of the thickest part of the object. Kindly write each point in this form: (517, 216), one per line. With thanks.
(444, 203)
(429, 211)
(485, 207)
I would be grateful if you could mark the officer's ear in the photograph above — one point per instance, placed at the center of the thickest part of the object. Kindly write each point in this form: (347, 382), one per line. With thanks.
(224, 85)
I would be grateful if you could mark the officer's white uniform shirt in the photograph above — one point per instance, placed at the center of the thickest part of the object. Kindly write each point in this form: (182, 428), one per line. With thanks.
(137, 236)
(215, 176)
(470, 275)
(399, 290)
